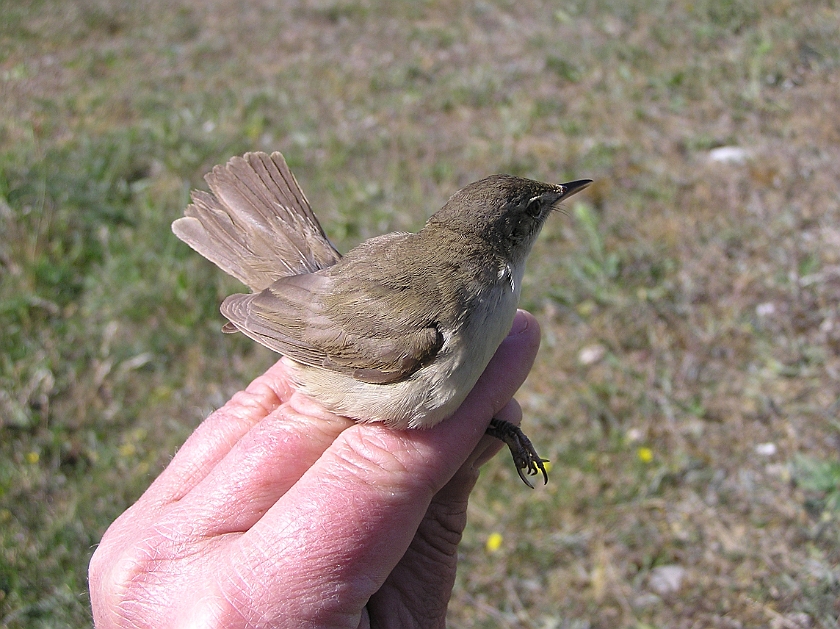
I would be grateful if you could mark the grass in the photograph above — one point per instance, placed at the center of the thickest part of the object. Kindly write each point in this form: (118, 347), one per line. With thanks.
(687, 388)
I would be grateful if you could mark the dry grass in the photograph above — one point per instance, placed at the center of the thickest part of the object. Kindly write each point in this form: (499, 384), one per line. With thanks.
(688, 386)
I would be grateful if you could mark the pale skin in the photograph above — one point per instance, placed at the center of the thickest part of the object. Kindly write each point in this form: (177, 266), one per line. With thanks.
(276, 513)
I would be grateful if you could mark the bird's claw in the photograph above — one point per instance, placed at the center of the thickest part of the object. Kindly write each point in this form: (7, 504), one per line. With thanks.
(525, 457)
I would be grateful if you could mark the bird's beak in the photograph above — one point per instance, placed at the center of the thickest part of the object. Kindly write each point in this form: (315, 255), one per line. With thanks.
(573, 187)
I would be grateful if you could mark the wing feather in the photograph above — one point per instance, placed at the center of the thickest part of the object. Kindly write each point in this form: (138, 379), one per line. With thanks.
(290, 318)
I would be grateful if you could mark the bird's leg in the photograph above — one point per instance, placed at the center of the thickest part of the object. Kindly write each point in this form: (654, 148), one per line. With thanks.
(525, 457)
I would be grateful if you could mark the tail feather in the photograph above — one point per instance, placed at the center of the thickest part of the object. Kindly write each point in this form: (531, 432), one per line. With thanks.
(257, 224)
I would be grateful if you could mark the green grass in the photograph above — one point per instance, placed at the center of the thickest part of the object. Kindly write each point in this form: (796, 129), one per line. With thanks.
(708, 291)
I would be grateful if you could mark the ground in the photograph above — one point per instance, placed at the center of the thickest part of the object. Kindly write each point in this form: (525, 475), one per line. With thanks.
(688, 386)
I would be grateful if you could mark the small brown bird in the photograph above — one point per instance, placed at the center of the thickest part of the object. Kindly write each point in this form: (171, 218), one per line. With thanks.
(398, 330)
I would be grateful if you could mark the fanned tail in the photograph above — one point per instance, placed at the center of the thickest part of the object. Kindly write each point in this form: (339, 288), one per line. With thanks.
(257, 224)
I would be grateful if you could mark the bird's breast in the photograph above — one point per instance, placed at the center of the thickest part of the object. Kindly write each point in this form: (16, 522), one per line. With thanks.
(468, 348)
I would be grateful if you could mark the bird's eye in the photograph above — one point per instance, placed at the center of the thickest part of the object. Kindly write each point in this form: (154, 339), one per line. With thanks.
(534, 207)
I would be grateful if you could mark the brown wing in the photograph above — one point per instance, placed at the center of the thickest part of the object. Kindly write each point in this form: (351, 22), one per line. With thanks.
(257, 225)
(291, 318)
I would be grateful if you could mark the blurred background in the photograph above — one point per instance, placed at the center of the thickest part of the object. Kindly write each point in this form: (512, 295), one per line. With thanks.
(688, 384)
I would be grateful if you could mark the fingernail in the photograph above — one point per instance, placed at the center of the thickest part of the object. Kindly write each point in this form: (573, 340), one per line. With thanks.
(520, 323)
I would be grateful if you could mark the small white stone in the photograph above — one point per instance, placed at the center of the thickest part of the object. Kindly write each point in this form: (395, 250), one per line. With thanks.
(765, 309)
(634, 435)
(766, 449)
(591, 354)
(728, 155)
(666, 579)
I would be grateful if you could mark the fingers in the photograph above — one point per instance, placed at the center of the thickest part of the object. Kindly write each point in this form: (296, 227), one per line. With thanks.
(427, 569)
(371, 488)
(257, 471)
(218, 434)
(420, 585)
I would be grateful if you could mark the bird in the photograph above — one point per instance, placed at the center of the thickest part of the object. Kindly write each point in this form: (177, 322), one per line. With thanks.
(399, 329)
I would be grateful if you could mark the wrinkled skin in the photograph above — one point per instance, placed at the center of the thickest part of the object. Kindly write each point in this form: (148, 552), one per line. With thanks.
(276, 513)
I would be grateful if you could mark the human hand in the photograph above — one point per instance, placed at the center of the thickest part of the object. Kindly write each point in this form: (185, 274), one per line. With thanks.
(276, 513)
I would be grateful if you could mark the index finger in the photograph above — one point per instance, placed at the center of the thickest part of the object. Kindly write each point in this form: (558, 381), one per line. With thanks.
(214, 438)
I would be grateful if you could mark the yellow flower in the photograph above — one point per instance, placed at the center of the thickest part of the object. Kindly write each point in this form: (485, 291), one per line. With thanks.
(645, 454)
(32, 457)
(494, 542)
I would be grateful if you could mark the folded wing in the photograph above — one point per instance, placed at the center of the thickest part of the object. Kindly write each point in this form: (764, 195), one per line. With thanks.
(291, 318)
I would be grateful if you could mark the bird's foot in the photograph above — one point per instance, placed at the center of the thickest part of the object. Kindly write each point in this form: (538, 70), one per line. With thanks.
(525, 457)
